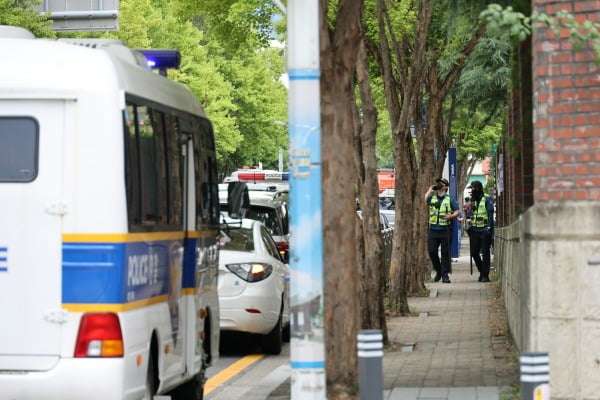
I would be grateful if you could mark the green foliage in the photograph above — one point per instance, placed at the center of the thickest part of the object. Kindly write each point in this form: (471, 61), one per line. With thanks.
(236, 24)
(240, 92)
(484, 80)
(245, 96)
(489, 184)
(453, 24)
(22, 13)
(152, 24)
(501, 20)
(580, 34)
(384, 144)
(475, 141)
(261, 99)
(402, 16)
(519, 26)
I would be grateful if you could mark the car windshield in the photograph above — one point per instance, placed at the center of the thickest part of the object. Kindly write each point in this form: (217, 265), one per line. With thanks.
(238, 240)
(386, 203)
(268, 216)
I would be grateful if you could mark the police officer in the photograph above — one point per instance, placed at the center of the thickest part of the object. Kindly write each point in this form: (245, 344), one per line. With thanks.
(442, 209)
(482, 229)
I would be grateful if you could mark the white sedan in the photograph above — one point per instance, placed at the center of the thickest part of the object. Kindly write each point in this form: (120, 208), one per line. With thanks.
(253, 284)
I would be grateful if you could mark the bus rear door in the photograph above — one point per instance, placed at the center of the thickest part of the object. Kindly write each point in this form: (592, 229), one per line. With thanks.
(31, 212)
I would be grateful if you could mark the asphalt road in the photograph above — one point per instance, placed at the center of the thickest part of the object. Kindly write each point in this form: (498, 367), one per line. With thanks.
(243, 371)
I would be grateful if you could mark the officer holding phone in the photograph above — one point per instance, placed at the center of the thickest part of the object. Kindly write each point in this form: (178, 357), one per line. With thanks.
(442, 210)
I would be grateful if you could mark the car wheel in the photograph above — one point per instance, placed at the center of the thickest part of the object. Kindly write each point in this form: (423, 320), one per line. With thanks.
(272, 342)
(286, 332)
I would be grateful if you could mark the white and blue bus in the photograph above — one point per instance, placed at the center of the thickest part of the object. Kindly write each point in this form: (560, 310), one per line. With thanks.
(109, 216)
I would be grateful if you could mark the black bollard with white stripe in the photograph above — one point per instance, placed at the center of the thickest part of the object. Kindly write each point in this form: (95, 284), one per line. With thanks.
(535, 376)
(370, 364)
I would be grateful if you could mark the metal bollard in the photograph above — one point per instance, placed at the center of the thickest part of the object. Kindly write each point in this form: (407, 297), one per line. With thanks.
(535, 376)
(370, 364)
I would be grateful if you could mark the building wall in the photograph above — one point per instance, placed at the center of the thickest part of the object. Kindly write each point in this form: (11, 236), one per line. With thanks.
(548, 238)
(550, 289)
(566, 120)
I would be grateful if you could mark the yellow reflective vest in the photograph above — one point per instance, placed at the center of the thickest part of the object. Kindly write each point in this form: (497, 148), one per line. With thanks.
(437, 211)
(480, 214)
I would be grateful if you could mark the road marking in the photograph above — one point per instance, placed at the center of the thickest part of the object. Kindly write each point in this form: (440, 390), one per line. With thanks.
(230, 372)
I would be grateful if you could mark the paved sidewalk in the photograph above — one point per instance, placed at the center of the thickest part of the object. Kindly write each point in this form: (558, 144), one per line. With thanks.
(447, 351)
(455, 355)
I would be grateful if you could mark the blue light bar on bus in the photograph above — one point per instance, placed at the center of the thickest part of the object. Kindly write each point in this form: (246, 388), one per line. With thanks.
(162, 59)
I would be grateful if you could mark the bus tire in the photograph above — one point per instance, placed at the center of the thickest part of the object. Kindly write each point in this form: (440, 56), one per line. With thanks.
(151, 375)
(190, 390)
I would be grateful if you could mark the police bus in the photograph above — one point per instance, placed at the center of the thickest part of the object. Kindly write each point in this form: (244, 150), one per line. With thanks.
(109, 216)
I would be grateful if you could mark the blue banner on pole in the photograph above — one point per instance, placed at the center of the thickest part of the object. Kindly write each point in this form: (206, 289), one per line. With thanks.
(453, 179)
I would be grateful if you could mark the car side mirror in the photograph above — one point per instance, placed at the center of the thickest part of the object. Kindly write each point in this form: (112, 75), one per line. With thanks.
(238, 200)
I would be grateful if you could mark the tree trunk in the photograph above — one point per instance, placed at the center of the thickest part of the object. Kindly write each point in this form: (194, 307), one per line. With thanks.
(338, 51)
(408, 250)
(373, 267)
(405, 87)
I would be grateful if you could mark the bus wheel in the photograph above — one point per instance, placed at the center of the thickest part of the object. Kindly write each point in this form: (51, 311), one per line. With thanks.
(191, 390)
(151, 377)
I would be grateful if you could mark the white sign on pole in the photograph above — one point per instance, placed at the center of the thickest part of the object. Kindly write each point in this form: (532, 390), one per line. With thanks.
(82, 15)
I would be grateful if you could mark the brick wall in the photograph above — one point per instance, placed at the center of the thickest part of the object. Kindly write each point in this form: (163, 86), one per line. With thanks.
(566, 97)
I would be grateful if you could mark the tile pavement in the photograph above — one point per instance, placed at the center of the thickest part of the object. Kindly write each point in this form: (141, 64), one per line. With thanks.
(455, 353)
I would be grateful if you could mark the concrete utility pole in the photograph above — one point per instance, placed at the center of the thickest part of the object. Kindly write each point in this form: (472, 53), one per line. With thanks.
(306, 242)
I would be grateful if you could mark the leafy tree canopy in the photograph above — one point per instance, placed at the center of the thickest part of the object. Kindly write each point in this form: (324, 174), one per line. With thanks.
(236, 24)
(261, 101)
(519, 26)
(153, 24)
(22, 13)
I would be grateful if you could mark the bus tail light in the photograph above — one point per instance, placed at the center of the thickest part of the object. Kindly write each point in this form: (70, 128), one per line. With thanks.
(99, 336)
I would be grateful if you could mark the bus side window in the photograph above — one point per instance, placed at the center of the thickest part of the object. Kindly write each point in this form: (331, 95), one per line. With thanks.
(132, 179)
(152, 167)
(205, 190)
(174, 172)
(201, 216)
(214, 188)
(207, 194)
(210, 177)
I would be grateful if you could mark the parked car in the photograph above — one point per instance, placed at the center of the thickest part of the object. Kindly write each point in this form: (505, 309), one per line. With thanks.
(274, 214)
(387, 205)
(387, 234)
(253, 284)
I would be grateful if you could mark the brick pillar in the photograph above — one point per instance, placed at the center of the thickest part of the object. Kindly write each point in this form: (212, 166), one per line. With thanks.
(566, 87)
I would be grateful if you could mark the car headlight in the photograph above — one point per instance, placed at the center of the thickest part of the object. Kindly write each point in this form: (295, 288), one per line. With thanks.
(251, 272)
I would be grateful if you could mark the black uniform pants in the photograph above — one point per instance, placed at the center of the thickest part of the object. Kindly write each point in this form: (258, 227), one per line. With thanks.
(480, 251)
(435, 240)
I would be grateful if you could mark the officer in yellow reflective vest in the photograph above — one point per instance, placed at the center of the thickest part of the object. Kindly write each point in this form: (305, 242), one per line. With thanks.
(481, 231)
(442, 209)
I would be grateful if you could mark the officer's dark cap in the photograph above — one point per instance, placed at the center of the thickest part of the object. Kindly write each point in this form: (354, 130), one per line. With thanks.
(477, 184)
(442, 181)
